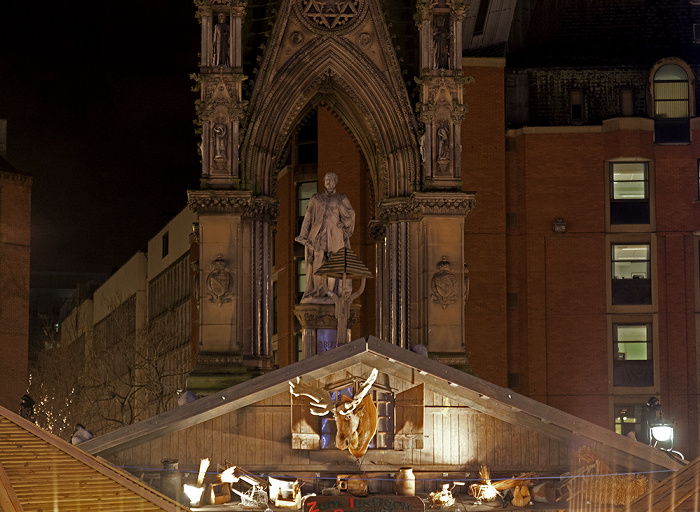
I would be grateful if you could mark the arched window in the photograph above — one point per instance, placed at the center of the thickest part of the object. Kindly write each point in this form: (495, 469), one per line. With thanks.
(672, 107)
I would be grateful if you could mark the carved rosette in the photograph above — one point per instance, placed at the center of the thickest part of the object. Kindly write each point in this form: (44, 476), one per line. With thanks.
(219, 282)
(444, 284)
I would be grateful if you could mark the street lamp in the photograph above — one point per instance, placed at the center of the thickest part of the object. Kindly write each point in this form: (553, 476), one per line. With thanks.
(660, 430)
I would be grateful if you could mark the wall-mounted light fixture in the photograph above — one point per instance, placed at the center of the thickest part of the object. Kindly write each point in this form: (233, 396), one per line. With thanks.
(559, 226)
(660, 430)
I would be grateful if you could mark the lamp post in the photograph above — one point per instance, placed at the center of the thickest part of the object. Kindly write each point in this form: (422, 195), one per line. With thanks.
(660, 430)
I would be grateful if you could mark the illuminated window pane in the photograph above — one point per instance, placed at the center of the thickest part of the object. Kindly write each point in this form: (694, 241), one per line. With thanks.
(631, 261)
(629, 193)
(632, 364)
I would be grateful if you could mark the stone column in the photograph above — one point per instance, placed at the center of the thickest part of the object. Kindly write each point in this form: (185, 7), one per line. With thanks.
(221, 107)
(235, 255)
(442, 280)
(441, 107)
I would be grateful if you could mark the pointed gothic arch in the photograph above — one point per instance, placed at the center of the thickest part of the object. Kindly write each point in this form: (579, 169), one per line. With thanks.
(373, 103)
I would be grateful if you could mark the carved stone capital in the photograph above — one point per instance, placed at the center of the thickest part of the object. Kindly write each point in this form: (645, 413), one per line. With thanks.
(397, 209)
(233, 201)
(420, 204)
(377, 230)
(322, 316)
(445, 203)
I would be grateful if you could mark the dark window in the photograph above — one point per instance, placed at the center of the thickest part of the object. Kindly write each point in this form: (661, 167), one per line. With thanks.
(631, 278)
(165, 242)
(632, 355)
(629, 193)
(481, 17)
(671, 105)
(298, 347)
(626, 102)
(274, 308)
(307, 141)
(576, 100)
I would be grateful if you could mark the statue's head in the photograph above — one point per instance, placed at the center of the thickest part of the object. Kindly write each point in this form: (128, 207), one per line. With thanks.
(330, 180)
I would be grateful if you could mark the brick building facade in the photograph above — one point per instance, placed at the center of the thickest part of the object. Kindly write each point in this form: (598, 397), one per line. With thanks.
(15, 212)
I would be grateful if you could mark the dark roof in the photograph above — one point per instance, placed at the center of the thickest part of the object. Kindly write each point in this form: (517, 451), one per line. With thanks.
(602, 32)
(5, 167)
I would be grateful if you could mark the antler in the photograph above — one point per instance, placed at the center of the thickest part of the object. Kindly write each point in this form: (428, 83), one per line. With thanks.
(346, 408)
(321, 402)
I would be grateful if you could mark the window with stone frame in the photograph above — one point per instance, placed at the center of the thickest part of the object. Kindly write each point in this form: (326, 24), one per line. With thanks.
(629, 193)
(631, 273)
(671, 103)
(633, 364)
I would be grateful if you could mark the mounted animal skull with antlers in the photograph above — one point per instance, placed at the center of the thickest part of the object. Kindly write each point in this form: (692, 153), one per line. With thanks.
(355, 418)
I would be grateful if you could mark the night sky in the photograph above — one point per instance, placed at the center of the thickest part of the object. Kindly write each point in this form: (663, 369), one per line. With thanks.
(99, 106)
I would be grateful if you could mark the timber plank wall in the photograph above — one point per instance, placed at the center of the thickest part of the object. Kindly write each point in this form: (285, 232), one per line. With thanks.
(457, 439)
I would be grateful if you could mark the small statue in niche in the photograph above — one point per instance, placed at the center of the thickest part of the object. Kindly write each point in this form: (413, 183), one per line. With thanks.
(221, 42)
(441, 42)
(220, 141)
(443, 148)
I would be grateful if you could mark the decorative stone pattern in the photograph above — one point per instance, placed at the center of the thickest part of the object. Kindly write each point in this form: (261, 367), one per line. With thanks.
(444, 284)
(219, 282)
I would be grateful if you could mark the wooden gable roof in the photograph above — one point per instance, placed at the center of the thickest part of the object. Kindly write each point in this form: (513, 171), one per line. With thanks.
(618, 451)
(39, 471)
(680, 492)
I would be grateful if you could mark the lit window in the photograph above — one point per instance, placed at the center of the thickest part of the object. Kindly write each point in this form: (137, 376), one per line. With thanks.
(629, 193)
(305, 190)
(631, 278)
(671, 105)
(630, 418)
(300, 279)
(632, 355)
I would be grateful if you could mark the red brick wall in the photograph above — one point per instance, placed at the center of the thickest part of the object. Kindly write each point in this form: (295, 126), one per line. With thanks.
(15, 198)
(483, 171)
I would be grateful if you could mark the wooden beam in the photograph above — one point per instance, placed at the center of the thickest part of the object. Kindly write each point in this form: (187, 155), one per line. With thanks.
(8, 498)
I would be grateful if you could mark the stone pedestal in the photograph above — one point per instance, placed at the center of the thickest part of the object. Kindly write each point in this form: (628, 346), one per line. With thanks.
(319, 326)
(214, 371)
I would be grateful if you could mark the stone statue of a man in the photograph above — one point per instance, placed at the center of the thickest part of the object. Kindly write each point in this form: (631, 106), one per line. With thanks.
(328, 225)
(221, 42)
